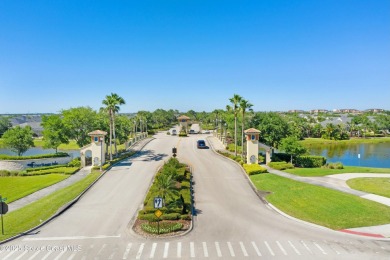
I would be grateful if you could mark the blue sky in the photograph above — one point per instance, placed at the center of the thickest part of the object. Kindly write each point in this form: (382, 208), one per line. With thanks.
(279, 55)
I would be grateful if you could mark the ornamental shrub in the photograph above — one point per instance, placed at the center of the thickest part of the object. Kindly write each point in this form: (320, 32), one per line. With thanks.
(75, 162)
(39, 156)
(165, 227)
(281, 165)
(252, 169)
(170, 216)
(337, 165)
(310, 161)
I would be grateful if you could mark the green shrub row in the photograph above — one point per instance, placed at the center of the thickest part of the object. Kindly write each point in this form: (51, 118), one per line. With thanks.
(113, 161)
(310, 161)
(233, 157)
(165, 227)
(281, 157)
(44, 168)
(337, 165)
(6, 173)
(252, 169)
(39, 156)
(281, 165)
(57, 170)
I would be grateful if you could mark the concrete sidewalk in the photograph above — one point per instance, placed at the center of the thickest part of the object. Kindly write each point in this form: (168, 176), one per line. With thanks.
(65, 183)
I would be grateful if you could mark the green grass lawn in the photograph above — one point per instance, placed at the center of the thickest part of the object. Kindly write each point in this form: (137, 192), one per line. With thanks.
(319, 141)
(319, 205)
(378, 186)
(14, 188)
(311, 172)
(31, 215)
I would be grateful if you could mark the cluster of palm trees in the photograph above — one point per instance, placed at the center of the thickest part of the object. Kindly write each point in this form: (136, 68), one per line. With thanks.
(239, 104)
(112, 105)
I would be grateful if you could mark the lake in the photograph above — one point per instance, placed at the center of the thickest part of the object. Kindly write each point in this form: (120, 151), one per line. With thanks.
(371, 155)
(40, 150)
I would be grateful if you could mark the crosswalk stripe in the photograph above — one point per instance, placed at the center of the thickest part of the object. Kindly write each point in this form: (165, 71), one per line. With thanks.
(127, 251)
(34, 255)
(113, 253)
(219, 254)
(308, 249)
(9, 255)
(256, 248)
(332, 247)
(166, 250)
(179, 249)
(192, 249)
(281, 248)
(269, 248)
(205, 251)
(243, 249)
(139, 253)
(231, 249)
(320, 248)
(153, 251)
(293, 247)
(20, 257)
(72, 256)
(101, 249)
(59, 255)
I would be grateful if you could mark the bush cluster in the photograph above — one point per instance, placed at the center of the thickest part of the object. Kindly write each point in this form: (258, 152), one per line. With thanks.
(182, 134)
(337, 165)
(76, 162)
(252, 169)
(233, 157)
(41, 171)
(281, 157)
(6, 173)
(310, 161)
(165, 227)
(39, 156)
(281, 165)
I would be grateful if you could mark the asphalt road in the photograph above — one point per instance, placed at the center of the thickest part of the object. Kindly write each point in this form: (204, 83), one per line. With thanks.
(231, 221)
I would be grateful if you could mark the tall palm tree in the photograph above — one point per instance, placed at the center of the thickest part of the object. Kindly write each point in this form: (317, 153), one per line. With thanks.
(244, 106)
(235, 108)
(112, 103)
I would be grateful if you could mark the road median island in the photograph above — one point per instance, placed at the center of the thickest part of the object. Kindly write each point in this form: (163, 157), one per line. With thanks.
(173, 215)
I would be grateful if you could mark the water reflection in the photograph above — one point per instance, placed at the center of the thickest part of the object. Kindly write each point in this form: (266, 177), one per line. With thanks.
(371, 155)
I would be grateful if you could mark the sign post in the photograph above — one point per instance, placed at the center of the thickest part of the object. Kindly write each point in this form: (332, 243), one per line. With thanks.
(158, 204)
(3, 210)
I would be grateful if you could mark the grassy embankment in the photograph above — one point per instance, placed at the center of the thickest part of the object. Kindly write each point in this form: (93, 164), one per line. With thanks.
(378, 186)
(31, 215)
(322, 206)
(319, 141)
(315, 172)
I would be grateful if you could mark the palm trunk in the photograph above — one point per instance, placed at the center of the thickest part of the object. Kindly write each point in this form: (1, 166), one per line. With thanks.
(242, 135)
(235, 135)
(110, 135)
(113, 131)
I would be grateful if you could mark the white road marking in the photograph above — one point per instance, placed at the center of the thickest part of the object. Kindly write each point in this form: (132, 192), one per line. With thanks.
(127, 251)
(320, 248)
(139, 253)
(60, 254)
(113, 253)
(293, 247)
(243, 249)
(192, 249)
(219, 254)
(101, 249)
(205, 251)
(269, 248)
(66, 238)
(332, 247)
(179, 249)
(256, 248)
(308, 249)
(72, 256)
(19, 257)
(166, 250)
(281, 248)
(153, 251)
(231, 249)
(47, 255)
(10, 254)
(34, 255)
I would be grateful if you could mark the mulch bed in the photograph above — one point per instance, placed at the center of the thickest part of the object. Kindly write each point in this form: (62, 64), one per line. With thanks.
(137, 229)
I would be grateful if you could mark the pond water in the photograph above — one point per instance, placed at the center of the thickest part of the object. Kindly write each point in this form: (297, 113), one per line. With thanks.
(370, 155)
(40, 150)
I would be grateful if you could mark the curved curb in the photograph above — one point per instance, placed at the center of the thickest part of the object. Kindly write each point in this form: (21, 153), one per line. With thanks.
(291, 217)
(72, 202)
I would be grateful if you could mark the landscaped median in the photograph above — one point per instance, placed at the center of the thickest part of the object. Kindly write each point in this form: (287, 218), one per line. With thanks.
(319, 205)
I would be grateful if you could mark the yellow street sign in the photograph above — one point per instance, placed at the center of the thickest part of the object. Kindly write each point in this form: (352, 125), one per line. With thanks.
(158, 213)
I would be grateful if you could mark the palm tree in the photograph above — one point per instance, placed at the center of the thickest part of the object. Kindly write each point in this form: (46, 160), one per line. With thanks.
(235, 100)
(112, 103)
(244, 106)
(166, 186)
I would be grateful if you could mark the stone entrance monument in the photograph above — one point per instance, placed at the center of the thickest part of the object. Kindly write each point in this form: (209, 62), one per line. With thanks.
(252, 145)
(96, 147)
(183, 121)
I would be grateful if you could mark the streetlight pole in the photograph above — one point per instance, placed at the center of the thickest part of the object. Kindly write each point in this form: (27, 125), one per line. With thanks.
(101, 154)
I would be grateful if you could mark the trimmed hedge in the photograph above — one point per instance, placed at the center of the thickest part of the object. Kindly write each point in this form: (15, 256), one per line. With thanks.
(310, 161)
(252, 169)
(39, 156)
(164, 227)
(231, 156)
(281, 157)
(281, 165)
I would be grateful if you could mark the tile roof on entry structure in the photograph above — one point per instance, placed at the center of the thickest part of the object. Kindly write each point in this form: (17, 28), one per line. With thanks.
(252, 131)
(97, 132)
(183, 117)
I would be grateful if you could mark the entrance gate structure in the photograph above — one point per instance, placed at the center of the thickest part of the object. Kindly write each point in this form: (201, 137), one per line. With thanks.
(96, 148)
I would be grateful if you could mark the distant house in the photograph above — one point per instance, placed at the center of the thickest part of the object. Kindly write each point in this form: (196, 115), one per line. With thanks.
(296, 111)
(34, 121)
(35, 127)
(375, 110)
(349, 111)
(342, 120)
(316, 111)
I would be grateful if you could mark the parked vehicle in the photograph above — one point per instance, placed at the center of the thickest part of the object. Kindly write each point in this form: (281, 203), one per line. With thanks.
(192, 131)
(174, 132)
